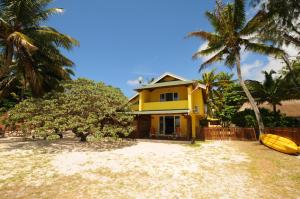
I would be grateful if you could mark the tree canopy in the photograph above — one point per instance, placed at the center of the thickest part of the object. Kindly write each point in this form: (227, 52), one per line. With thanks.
(231, 32)
(84, 107)
(30, 52)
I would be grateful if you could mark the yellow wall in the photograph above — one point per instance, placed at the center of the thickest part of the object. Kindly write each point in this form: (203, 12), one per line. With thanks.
(188, 99)
(154, 96)
(170, 105)
(197, 100)
(183, 124)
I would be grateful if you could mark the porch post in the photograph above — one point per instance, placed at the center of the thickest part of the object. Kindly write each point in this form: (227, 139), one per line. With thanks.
(141, 100)
(190, 102)
(193, 126)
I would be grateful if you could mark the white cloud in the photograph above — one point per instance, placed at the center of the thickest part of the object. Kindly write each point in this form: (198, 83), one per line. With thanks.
(134, 82)
(254, 70)
(203, 47)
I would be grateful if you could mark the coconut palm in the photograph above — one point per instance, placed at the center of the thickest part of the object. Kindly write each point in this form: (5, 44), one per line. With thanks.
(215, 84)
(210, 80)
(271, 90)
(31, 52)
(231, 33)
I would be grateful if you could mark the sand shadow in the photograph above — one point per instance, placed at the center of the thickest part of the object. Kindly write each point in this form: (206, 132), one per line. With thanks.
(65, 145)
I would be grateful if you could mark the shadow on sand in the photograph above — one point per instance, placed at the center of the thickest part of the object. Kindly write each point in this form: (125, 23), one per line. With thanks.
(64, 145)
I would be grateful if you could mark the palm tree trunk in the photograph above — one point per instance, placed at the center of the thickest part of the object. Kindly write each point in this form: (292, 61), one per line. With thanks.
(274, 108)
(249, 96)
(294, 78)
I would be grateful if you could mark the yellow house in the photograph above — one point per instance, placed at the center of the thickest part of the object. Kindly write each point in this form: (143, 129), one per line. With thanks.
(168, 107)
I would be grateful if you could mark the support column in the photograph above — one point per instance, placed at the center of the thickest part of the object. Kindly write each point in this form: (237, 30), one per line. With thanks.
(190, 101)
(141, 100)
(193, 126)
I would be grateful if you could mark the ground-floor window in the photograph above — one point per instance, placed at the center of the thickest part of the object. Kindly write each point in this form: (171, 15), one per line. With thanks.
(169, 125)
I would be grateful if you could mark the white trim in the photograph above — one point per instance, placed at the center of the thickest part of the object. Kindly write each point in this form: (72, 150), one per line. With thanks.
(201, 86)
(167, 74)
(137, 94)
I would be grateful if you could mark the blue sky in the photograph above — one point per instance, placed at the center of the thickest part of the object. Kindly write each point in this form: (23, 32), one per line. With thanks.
(122, 40)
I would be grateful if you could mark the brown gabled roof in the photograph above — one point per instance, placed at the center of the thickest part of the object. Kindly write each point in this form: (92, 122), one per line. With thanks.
(290, 108)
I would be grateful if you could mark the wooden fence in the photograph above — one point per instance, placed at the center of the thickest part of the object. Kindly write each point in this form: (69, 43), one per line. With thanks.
(246, 134)
(218, 133)
(291, 133)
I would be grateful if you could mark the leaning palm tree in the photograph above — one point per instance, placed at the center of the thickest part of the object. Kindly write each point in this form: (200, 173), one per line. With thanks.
(231, 32)
(31, 52)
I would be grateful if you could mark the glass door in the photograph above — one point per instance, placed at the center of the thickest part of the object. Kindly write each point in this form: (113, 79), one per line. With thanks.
(169, 125)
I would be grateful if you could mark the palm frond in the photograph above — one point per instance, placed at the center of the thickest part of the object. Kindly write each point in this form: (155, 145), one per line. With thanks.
(211, 37)
(214, 21)
(45, 14)
(21, 40)
(61, 40)
(239, 14)
(262, 48)
(230, 60)
(217, 57)
(209, 50)
(257, 22)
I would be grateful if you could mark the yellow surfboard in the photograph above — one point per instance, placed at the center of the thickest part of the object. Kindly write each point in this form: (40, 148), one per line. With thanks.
(279, 143)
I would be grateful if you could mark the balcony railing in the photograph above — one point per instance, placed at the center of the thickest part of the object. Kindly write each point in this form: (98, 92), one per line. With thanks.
(168, 105)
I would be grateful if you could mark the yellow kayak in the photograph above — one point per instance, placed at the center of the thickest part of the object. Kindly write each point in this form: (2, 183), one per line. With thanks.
(279, 143)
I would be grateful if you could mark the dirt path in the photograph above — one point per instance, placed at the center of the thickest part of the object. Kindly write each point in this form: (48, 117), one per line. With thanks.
(139, 170)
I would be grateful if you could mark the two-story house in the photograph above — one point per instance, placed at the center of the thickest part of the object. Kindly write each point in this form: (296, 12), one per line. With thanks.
(168, 107)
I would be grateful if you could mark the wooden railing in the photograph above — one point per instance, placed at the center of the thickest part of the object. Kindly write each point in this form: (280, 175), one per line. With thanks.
(291, 133)
(248, 134)
(218, 133)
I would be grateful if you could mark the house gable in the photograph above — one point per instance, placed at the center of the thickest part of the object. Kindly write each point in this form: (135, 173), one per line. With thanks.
(167, 77)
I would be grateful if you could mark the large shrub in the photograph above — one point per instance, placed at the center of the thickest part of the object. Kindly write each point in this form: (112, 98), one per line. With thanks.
(83, 107)
(246, 118)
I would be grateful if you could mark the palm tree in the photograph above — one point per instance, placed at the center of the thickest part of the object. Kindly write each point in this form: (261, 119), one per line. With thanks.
(31, 52)
(215, 84)
(271, 90)
(291, 73)
(231, 32)
(210, 80)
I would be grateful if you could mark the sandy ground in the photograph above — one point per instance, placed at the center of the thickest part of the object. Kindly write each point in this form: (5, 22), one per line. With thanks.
(144, 170)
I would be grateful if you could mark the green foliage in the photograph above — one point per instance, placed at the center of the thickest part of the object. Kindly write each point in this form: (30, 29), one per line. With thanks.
(216, 84)
(233, 98)
(7, 103)
(246, 118)
(53, 137)
(224, 97)
(30, 56)
(85, 107)
(291, 77)
(231, 33)
(282, 17)
(271, 90)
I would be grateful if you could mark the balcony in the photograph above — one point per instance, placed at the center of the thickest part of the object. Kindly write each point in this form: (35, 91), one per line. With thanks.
(169, 105)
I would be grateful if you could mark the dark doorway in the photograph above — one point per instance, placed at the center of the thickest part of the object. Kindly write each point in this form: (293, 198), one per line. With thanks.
(169, 125)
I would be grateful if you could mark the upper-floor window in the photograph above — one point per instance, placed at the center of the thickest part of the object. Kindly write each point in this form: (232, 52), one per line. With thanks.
(169, 97)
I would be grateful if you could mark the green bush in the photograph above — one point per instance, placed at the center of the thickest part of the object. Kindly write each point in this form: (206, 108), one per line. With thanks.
(53, 137)
(84, 107)
(246, 118)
